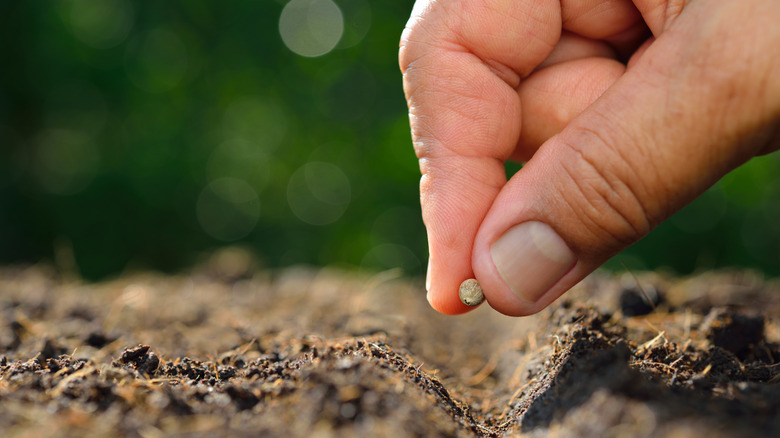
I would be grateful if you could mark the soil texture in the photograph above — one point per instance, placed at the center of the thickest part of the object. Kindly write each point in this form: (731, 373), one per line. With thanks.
(236, 351)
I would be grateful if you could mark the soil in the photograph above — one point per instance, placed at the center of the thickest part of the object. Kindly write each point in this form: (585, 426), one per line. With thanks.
(240, 351)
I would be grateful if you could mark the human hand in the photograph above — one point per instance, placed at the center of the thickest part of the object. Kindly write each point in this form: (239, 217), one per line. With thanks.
(610, 150)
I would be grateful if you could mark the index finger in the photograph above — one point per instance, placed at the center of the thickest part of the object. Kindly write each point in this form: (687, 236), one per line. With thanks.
(461, 62)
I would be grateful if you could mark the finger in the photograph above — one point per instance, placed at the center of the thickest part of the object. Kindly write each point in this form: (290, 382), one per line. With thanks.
(664, 132)
(599, 19)
(572, 46)
(554, 96)
(459, 80)
(617, 22)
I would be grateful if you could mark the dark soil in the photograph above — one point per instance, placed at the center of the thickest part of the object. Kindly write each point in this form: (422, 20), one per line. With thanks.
(303, 352)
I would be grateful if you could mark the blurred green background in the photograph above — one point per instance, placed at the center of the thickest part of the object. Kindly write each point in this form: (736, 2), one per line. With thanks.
(142, 135)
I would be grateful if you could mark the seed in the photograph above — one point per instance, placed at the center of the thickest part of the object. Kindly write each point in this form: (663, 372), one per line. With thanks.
(470, 293)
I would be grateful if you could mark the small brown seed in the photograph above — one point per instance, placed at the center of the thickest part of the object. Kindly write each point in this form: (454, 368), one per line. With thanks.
(470, 293)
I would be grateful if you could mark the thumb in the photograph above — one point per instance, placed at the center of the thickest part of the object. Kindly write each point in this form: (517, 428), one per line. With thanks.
(679, 119)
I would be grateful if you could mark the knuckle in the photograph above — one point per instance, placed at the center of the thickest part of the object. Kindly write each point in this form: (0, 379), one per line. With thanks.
(610, 200)
(406, 52)
(422, 33)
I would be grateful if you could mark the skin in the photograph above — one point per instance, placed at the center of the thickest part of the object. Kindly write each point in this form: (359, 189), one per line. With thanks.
(623, 112)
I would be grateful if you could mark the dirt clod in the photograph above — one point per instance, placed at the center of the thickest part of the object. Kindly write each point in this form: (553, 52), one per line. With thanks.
(734, 332)
(636, 301)
(140, 359)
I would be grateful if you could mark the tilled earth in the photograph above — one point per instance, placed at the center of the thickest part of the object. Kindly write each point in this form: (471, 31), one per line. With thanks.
(305, 352)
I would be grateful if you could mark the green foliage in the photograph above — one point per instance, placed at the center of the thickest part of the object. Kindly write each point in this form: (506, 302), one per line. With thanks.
(143, 134)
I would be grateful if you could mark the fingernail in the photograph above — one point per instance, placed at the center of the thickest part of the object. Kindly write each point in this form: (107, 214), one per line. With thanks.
(530, 258)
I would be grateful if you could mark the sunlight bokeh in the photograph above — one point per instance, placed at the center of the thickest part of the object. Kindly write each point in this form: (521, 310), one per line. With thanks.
(145, 134)
(311, 27)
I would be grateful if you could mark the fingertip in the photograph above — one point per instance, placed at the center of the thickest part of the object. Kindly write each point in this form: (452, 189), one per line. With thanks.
(453, 206)
(446, 300)
(446, 269)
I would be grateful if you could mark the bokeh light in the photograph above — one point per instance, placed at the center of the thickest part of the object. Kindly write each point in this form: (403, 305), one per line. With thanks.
(228, 209)
(319, 193)
(100, 24)
(394, 234)
(240, 159)
(357, 22)
(311, 27)
(147, 133)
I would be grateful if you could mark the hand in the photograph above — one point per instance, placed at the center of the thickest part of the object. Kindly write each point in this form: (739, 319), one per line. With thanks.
(610, 149)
